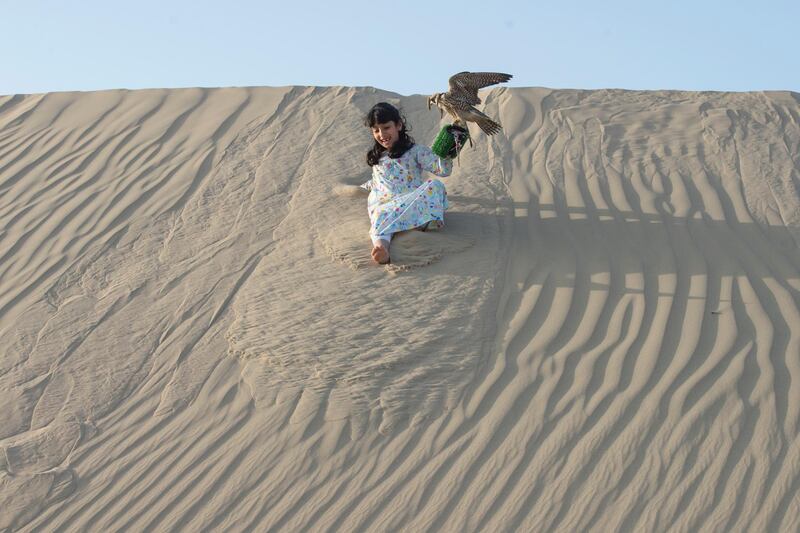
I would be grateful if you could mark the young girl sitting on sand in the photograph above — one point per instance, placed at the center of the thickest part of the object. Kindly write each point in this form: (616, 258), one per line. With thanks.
(399, 197)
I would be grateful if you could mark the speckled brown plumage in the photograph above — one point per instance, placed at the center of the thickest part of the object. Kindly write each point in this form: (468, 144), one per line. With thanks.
(460, 100)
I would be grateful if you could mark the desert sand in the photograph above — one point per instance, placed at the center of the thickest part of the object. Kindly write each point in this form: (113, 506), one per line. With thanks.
(604, 337)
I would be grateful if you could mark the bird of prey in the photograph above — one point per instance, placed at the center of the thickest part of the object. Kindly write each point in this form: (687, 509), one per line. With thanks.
(460, 100)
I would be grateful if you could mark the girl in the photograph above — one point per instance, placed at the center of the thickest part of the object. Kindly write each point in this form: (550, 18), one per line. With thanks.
(400, 198)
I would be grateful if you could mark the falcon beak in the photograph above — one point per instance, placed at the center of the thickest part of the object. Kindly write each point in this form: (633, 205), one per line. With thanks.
(429, 103)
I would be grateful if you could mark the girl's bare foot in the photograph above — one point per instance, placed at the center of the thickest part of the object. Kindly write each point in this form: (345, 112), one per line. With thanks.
(380, 253)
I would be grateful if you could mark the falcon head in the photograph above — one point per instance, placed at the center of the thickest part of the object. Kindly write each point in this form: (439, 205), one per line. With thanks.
(434, 99)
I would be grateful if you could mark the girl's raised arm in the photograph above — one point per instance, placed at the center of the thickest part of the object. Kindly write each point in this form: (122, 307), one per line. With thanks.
(433, 163)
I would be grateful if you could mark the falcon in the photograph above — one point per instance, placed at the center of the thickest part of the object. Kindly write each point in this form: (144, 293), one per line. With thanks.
(460, 100)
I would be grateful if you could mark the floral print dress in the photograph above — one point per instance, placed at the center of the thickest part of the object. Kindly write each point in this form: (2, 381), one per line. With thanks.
(400, 197)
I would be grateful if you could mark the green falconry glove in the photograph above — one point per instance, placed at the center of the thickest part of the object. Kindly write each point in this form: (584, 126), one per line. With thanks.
(450, 141)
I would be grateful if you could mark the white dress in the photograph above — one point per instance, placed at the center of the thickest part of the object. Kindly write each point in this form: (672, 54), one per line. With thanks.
(400, 197)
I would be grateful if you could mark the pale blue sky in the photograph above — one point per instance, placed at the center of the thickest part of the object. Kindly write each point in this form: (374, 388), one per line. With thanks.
(408, 47)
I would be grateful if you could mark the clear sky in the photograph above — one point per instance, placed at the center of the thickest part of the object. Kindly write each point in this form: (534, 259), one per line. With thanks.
(404, 46)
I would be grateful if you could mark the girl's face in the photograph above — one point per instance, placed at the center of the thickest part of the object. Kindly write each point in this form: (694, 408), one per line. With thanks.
(387, 133)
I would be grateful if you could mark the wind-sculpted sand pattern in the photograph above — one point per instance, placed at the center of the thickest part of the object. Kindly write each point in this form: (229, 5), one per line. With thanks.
(652, 341)
(363, 346)
(604, 337)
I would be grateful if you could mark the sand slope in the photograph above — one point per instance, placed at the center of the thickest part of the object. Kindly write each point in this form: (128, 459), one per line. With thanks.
(606, 335)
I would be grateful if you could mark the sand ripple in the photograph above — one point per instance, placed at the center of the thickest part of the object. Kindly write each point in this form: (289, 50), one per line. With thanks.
(605, 336)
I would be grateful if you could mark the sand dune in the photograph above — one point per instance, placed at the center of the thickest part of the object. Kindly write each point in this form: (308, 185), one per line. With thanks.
(604, 337)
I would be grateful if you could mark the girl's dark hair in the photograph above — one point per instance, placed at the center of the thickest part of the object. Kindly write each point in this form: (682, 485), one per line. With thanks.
(381, 113)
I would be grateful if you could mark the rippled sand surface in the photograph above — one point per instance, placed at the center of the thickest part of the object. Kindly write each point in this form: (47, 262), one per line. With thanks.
(604, 337)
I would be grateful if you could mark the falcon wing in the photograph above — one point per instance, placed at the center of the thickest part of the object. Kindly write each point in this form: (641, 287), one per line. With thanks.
(465, 84)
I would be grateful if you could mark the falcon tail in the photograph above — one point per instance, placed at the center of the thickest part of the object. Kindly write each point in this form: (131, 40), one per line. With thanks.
(489, 126)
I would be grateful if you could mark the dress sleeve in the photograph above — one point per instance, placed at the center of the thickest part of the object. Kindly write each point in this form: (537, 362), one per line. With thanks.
(367, 185)
(433, 163)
